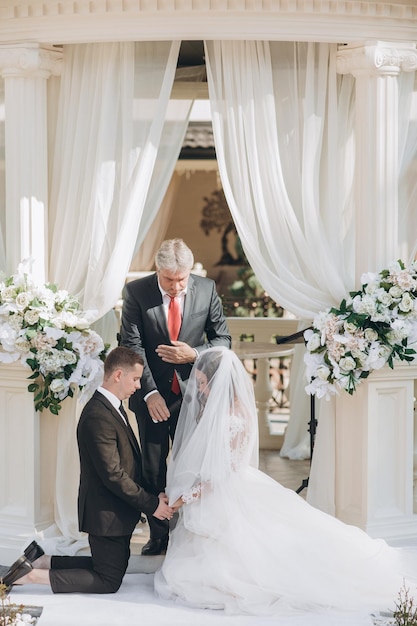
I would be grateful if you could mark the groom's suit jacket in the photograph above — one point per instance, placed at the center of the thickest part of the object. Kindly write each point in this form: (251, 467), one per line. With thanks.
(144, 327)
(110, 496)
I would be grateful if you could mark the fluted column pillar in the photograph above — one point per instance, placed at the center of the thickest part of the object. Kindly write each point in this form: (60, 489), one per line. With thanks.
(376, 67)
(25, 69)
(28, 438)
(373, 429)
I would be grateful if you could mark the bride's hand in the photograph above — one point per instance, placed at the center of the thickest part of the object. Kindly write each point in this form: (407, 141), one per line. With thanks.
(177, 504)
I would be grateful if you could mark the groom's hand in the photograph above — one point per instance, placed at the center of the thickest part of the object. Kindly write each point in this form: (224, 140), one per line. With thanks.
(163, 511)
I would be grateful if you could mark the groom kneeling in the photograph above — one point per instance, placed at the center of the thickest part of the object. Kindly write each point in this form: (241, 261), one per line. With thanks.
(110, 499)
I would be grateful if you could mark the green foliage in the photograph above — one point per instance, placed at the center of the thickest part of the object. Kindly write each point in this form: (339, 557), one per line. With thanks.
(248, 298)
(405, 613)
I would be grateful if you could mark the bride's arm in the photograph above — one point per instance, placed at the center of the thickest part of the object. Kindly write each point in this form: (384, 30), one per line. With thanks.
(187, 497)
(191, 496)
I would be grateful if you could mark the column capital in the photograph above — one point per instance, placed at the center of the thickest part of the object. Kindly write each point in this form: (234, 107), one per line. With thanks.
(377, 58)
(29, 59)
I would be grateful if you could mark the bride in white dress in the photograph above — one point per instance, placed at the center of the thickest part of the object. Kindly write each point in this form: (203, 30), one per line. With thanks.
(243, 542)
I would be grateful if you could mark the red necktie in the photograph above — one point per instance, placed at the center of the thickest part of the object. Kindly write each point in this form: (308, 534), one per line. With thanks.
(174, 325)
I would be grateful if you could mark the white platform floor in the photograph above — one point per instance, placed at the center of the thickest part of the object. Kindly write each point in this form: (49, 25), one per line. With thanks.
(135, 602)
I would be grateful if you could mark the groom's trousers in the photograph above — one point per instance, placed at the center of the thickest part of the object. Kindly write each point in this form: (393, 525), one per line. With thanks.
(102, 572)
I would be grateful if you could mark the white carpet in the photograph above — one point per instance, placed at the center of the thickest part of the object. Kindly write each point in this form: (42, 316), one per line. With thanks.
(135, 603)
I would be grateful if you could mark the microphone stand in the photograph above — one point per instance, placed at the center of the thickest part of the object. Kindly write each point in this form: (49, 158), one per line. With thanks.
(312, 424)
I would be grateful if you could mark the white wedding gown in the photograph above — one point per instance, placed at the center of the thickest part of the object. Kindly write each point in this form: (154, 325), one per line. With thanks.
(246, 544)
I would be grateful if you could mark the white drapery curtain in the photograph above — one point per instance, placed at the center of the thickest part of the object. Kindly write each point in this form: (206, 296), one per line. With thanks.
(117, 141)
(2, 178)
(407, 139)
(283, 133)
(283, 127)
(116, 147)
(145, 255)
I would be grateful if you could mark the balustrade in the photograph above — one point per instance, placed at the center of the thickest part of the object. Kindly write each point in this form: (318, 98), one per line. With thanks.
(261, 347)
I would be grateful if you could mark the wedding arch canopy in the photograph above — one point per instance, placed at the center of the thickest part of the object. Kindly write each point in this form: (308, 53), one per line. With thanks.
(285, 120)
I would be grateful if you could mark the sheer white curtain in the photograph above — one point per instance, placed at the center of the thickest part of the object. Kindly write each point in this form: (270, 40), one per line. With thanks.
(280, 120)
(117, 142)
(113, 108)
(283, 128)
(145, 255)
(2, 179)
(407, 227)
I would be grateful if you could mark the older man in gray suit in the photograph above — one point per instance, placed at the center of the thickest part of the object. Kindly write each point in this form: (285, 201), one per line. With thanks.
(168, 317)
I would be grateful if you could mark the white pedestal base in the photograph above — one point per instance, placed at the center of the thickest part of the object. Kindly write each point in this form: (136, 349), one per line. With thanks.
(27, 464)
(374, 455)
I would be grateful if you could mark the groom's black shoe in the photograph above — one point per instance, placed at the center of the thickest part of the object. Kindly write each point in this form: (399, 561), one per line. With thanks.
(155, 547)
(33, 551)
(19, 568)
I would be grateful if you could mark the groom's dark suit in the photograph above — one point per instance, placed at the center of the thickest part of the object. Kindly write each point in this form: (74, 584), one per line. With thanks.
(144, 327)
(109, 503)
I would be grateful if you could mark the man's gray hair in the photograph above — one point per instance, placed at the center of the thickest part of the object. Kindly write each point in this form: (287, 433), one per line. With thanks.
(174, 255)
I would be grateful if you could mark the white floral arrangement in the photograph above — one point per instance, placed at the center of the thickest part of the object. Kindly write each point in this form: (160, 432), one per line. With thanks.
(45, 329)
(373, 326)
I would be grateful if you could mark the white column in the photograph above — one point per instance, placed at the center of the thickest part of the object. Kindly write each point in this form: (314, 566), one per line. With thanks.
(28, 438)
(374, 427)
(376, 67)
(25, 69)
(27, 464)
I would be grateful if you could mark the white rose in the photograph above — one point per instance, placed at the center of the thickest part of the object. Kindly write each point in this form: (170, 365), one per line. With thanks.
(371, 335)
(358, 355)
(314, 342)
(384, 297)
(8, 293)
(323, 372)
(384, 351)
(23, 299)
(350, 328)
(65, 319)
(69, 357)
(31, 317)
(396, 292)
(347, 364)
(59, 386)
(365, 305)
(406, 304)
(81, 324)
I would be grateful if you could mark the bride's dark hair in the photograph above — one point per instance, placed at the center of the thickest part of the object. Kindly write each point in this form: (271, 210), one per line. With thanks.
(210, 364)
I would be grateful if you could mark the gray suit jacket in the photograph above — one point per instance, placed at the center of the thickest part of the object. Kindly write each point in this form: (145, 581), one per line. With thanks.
(144, 327)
